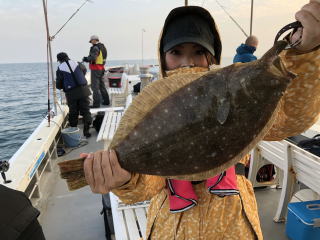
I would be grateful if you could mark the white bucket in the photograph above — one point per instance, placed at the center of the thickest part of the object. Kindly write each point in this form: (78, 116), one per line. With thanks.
(71, 136)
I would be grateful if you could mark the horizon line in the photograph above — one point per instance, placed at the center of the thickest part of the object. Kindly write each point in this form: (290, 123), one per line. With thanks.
(133, 59)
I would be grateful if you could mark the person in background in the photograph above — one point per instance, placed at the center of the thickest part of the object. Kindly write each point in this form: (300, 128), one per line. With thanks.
(97, 58)
(18, 218)
(70, 77)
(245, 51)
(189, 209)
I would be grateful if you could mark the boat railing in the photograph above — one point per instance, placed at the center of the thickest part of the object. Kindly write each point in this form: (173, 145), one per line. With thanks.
(34, 158)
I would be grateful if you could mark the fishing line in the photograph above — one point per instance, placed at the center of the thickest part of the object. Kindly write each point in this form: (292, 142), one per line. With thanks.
(238, 25)
(70, 18)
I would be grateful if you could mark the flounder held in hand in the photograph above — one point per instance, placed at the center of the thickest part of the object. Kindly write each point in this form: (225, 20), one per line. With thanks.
(193, 126)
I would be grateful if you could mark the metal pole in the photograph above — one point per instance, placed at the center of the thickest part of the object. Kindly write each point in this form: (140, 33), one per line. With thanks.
(186, 2)
(142, 45)
(251, 17)
(50, 56)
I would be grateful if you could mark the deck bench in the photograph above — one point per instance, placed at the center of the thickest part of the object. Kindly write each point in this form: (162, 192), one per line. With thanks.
(129, 221)
(296, 165)
(109, 124)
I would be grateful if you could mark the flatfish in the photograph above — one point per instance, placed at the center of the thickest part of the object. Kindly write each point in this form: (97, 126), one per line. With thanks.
(193, 126)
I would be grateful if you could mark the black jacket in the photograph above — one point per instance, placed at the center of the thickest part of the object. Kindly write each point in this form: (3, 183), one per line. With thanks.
(78, 92)
(16, 213)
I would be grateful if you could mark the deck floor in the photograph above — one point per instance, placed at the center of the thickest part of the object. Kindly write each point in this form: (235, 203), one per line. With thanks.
(76, 215)
(267, 199)
(73, 215)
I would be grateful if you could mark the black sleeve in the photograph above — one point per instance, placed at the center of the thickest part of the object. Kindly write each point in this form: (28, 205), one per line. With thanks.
(59, 79)
(94, 53)
(82, 68)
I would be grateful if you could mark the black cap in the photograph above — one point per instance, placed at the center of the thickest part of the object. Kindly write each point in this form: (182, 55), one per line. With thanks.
(191, 24)
(62, 57)
(188, 29)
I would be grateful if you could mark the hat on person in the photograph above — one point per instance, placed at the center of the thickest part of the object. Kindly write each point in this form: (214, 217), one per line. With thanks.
(62, 57)
(94, 37)
(191, 24)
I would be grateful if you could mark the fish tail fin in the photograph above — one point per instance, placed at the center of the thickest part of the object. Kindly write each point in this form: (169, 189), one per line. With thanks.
(273, 53)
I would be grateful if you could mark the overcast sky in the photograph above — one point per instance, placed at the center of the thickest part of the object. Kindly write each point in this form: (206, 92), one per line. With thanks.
(119, 25)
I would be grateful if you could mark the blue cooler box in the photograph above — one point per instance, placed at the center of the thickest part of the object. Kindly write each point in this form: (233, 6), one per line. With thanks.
(303, 221)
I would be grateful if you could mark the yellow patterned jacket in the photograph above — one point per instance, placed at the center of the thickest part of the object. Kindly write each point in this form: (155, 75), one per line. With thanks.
(231, 217)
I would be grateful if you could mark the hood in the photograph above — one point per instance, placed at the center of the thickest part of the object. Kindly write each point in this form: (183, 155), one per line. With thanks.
(243, 48)
(176, 12)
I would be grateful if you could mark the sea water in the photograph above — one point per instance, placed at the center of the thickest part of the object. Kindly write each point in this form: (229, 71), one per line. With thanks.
(24, 98)
(24, 101)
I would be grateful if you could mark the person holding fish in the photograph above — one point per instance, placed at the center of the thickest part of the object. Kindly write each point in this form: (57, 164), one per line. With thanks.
(222, 206)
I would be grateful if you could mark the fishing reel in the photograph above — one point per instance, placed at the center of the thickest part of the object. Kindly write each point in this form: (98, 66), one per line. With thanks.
(4, 167)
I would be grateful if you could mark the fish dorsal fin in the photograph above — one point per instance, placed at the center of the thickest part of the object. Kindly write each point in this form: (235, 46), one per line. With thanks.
(149, 98)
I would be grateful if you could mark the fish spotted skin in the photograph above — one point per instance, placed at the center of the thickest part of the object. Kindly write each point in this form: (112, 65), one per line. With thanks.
(208, 123)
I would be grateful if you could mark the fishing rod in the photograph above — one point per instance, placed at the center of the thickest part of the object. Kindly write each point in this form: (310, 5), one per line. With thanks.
(49, 63)
(70, 18)
(238, 25)
(49, 57)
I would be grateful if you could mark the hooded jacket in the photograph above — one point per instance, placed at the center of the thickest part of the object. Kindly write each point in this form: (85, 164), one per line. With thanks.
(185, 10)
(245, 54)
(230, 217)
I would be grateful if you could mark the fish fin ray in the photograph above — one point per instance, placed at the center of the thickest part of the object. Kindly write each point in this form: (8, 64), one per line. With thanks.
(223, 109)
